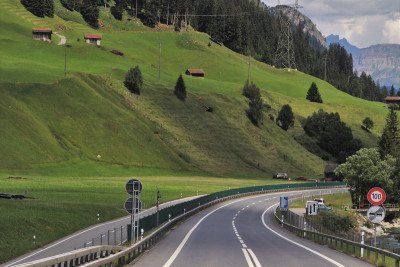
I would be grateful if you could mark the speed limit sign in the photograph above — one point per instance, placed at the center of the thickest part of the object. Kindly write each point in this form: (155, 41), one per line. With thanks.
(376, 196)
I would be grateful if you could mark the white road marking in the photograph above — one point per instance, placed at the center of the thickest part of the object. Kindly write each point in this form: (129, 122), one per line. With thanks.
(186, 238)
(256, 261)
(247, 257)
(241, 241)
(244, 245)
(297, 244)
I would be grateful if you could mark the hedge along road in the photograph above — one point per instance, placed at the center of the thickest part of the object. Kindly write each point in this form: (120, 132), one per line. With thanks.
(241, 232)
(77, 240)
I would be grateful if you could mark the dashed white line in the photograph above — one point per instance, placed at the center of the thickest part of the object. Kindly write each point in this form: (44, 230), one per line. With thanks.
(256, 261)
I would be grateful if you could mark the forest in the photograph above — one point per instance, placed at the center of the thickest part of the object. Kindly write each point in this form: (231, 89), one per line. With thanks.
(248, 27)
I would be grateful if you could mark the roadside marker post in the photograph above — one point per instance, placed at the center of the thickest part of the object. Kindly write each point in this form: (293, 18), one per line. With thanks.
(362, 243)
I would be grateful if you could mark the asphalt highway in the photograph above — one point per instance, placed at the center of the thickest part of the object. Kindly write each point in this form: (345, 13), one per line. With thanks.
(77, 239)
(241, 232)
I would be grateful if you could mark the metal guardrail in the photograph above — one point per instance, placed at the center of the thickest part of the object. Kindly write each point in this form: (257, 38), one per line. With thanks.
(76, 257)
(388, 207)
(179, 213)
(362, 251)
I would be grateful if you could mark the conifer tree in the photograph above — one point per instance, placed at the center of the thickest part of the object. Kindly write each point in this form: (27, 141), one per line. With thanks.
(134, 80)
(389, 144)
(180, 89)
(255, 111)
(313, 94)
(285, 118)
(90, 12)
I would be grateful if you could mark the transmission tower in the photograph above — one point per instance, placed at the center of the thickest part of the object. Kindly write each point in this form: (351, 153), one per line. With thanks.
(285, 56)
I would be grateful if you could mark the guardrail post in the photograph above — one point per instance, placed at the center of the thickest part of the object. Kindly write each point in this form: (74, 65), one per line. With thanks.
(376, 258)
(397, 263)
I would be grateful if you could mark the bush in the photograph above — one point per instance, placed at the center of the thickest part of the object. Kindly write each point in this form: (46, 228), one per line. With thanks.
(40, 8)
(336, 223)
(313, 94)
(251, 91)
(255, 111)
(331, 134)
(71, 4)
(285, 118)
(134, 80)
(180, 89)
(367, 124)
(90, 12)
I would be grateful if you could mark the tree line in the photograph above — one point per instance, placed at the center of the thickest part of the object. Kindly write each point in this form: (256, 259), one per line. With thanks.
(244, 26)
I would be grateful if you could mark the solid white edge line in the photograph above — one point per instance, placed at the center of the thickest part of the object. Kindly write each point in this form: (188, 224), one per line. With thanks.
(165, 205)
(256, 261)
(298, 244)
(247, 257)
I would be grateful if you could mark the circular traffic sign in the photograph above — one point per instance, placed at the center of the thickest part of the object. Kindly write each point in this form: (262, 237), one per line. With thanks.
(132, 208)
(376, 196)
(133, 186)
(376, 214)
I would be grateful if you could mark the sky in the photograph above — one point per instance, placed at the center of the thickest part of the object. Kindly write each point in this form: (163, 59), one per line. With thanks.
(361, 22)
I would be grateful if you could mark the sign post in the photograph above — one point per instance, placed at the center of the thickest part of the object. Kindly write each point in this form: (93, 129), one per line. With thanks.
(376, 196)
(284, 203)
(376, 214)
(133, 205)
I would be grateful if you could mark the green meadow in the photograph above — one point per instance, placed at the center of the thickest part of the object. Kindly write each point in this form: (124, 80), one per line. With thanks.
(76, 137)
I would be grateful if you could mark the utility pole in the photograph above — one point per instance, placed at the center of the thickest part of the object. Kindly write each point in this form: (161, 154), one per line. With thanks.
(249, 71)
(325, 59)
(65, 59)
(159, 62)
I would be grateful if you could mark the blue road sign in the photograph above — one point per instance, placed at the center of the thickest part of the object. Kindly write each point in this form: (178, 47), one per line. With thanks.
(284, 203)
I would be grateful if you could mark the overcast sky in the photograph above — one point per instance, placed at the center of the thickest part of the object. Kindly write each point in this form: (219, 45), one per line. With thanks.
(362, 22)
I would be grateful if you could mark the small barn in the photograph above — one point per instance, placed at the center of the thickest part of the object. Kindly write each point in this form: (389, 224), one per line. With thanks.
(196, 72)
(42, 34)
(392, 100)
(94, 39)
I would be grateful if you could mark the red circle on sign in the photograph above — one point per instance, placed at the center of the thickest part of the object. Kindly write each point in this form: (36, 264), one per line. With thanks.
(376, 196)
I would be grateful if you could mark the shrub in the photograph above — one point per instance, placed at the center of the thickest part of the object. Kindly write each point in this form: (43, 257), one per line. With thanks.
(313, 94)
(71, 4)
(255, 111)
(40, 8)
(250, 90)
(336, 223)
(285, 118)
(331, 134)
(180, 89)
(134, 80)
(367, 124)
(90, 12)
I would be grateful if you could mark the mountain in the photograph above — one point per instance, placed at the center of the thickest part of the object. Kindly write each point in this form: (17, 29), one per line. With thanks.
(335, 39)
(298, 18)
(381, 61)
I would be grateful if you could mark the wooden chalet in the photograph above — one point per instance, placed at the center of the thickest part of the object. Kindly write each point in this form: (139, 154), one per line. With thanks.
(42, 34)
(392, 100)
(196, 72)
(94, 39)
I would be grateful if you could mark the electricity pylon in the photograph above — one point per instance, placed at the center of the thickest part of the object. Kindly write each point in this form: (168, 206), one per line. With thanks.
(285, 56)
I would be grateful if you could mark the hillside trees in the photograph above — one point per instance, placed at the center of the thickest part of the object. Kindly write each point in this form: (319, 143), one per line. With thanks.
(134, 80)
(313, 94)
(331, 134)
(90, 12)
(285, 118)
(256, 105)
(180, 89)
(366, 169)
(40, 8)
(367, 124)
(389, 143)
(71, 4)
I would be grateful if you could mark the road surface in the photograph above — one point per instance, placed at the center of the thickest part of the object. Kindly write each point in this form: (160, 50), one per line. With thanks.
(241, 232)
(77, 240)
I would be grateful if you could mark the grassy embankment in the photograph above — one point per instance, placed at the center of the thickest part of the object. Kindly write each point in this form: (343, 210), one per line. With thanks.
(77, 139)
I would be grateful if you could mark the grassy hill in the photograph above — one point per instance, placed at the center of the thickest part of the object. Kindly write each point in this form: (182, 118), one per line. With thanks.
(62, 133)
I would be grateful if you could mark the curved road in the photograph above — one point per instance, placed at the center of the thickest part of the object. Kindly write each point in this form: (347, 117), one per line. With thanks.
(241, 232)
(76, 240)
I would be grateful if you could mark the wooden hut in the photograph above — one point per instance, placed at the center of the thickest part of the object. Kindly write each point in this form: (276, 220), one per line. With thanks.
(392, 100)
(42, 34)
(196, 72)
(94, 39)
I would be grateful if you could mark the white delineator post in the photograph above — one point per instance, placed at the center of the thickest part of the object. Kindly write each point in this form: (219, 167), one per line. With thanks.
(362, 243)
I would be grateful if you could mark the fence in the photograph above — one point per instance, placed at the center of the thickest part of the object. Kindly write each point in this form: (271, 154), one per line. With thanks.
(303, 228)
(168, 218)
